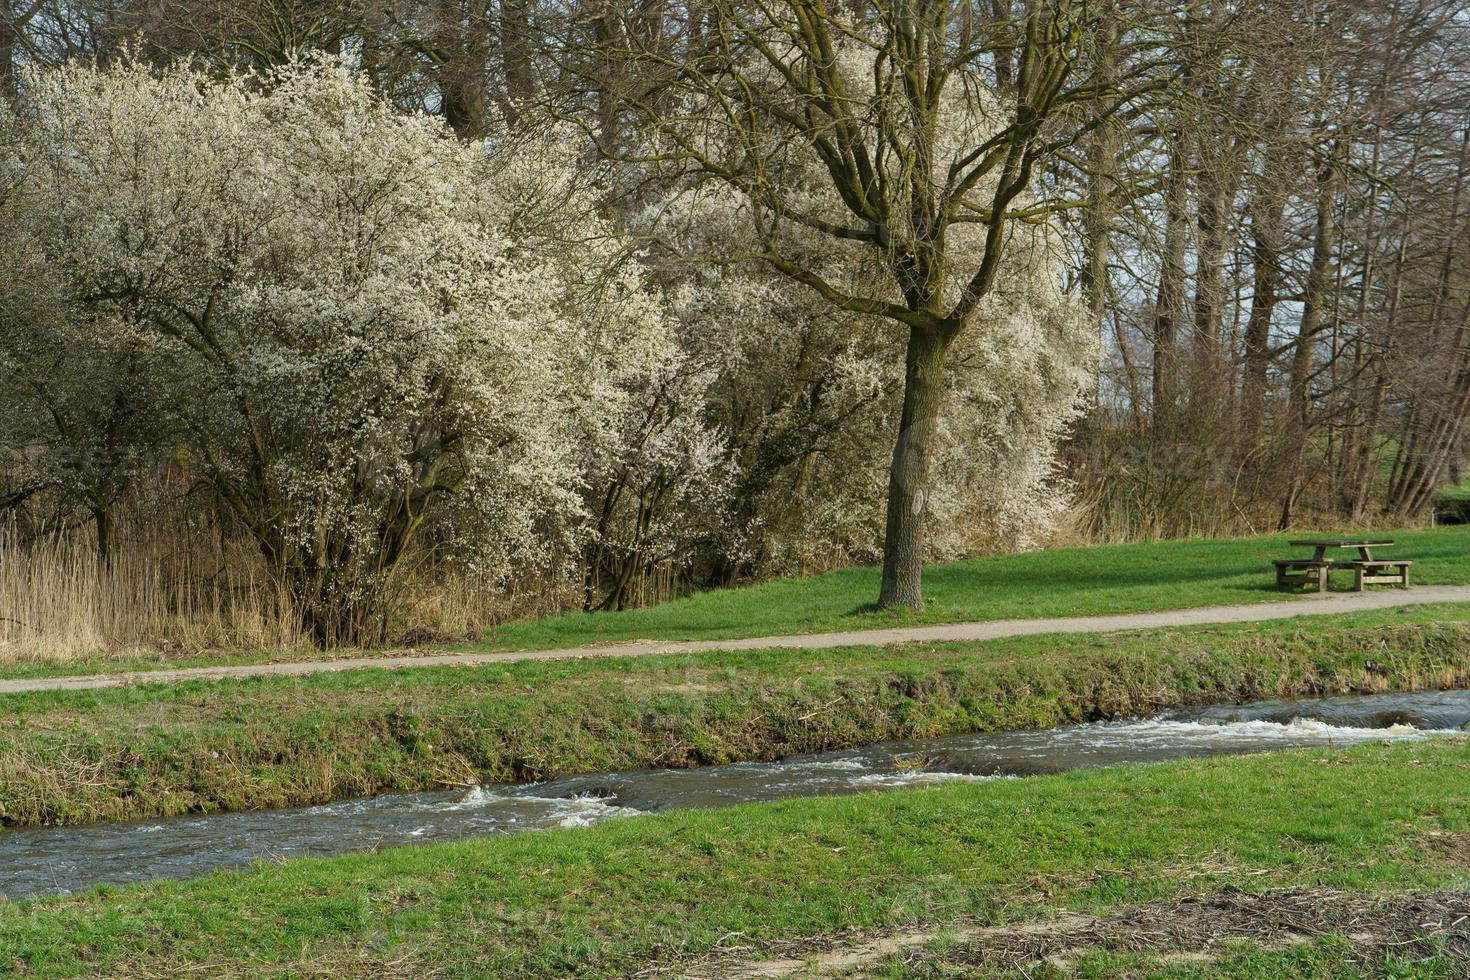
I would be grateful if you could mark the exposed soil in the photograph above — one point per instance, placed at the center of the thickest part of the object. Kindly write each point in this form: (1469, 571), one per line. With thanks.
(1195, 928)
(1455, 847)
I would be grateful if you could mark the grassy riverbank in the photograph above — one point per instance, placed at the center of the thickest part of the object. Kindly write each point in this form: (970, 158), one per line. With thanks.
(70, 757)
(672, 890)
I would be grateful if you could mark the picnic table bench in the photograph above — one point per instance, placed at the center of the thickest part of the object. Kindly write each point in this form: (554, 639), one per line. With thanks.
(1367, 570)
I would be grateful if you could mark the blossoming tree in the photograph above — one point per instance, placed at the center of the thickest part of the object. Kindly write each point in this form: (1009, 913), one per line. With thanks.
(806, 432)
(910, 132)
(357, 325)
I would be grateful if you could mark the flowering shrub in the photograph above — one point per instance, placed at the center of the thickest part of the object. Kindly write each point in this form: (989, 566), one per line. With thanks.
(357, 326)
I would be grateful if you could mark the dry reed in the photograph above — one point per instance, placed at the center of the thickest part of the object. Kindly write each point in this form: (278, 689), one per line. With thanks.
(174, 590)
(163, 592)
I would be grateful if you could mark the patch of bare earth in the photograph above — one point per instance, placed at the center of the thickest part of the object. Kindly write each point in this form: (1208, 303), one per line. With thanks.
(1453, 847)
(1196, 928)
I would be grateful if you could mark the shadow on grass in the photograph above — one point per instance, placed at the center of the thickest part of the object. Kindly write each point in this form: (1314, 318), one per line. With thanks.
(870, 613)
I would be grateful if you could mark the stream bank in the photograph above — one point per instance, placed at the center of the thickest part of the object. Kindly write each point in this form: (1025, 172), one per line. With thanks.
(61, 860)
(69, 758)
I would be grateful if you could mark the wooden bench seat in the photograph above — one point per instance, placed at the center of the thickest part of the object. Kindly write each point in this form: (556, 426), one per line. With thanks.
(1302, 571)
(1380, 571)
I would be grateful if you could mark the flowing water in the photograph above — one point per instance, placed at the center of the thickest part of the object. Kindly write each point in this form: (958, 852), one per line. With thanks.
(55, 860)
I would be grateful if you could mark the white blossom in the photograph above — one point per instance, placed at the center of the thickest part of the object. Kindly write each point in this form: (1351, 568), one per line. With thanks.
(362, 328)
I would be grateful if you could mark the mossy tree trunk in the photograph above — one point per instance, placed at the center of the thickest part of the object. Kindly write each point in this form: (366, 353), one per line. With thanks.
(909, 478)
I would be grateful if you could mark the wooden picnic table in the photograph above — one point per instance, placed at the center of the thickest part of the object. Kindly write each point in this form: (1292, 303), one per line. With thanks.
(1365, 546)
(1367, 570)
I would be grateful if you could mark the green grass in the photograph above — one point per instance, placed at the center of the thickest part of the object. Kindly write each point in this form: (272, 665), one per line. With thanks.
(135, 660)
(1452, 503)
(670, 887)
(77, 756)
(1454, 492)
(1057, 582)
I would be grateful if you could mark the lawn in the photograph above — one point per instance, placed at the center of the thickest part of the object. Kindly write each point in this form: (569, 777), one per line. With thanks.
(1452, 502)
(78, 756)
(1055, 582)
(667, 888)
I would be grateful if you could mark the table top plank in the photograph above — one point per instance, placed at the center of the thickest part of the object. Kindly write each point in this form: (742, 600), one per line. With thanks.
(1340, 542)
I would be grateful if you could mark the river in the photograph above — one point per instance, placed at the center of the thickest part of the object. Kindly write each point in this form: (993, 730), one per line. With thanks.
(59, 860)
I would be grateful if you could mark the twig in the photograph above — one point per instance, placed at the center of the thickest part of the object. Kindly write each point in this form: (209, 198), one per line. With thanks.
(813, 714)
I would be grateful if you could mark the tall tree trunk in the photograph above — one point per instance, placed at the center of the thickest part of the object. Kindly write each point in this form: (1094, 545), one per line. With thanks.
(1361, 434)
(515, 55)
(1169, 309)
(9, 33)
(1426, 401)
(1218, 187)
(1267, 216)
(102, 517)
(1299, 403)
(1000, 13)
(1449, 414)
(460, 50)
(908, 478)
(1102, 169)
(608, 32)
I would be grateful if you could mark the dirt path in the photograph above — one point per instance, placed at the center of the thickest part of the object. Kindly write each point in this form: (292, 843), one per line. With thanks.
(1311, 605)
(1197, 929)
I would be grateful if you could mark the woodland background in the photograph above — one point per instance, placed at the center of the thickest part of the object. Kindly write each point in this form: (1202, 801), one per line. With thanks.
(1267, 259)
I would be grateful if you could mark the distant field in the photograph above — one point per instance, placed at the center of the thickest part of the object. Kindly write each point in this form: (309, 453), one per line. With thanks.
(1056, 582)
(1452, 503)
